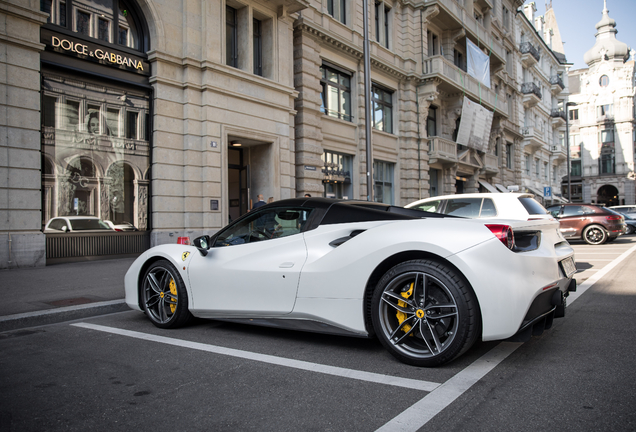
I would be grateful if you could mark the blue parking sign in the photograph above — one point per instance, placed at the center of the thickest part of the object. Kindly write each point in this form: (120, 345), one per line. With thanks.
(547, 192)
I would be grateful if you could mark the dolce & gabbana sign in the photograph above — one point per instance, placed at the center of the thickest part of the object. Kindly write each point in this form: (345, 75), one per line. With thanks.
(82, 49)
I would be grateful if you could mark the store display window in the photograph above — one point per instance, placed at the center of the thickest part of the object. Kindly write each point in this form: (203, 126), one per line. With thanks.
(95, 150)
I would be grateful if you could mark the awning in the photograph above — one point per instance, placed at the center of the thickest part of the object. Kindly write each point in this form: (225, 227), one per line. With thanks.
(501, 188)
(488, 186)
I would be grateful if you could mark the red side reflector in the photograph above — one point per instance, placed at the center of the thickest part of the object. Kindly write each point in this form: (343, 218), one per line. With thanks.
(503, 233)
(549, 286)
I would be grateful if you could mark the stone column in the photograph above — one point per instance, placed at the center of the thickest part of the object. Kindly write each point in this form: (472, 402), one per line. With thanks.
(22, 241)
(308, 124)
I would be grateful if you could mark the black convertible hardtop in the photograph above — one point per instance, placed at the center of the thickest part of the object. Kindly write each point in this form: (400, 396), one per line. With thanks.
(329, 211)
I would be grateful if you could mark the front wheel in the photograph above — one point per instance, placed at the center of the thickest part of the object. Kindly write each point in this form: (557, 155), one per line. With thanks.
(164, 296)
(594, 235)
(424, 313)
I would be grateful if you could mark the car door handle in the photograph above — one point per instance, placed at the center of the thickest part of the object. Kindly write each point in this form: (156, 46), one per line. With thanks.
(286, 265)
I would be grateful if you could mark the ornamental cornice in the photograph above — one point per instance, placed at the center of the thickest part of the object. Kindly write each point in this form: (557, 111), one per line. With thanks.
(352, 50)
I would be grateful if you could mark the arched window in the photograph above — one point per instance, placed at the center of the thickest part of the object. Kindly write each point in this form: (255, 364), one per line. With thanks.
(116, 22)
(121, 193)
(604, 81)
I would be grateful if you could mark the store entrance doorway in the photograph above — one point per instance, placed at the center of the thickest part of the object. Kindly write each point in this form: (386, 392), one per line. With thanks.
(238, 182)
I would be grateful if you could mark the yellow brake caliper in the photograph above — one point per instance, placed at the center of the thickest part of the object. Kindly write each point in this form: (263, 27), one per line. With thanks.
(173, 291)
(401, 316)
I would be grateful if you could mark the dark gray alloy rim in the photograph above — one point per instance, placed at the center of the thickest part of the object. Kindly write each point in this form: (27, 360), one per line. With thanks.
(418, 315)
(160, 294)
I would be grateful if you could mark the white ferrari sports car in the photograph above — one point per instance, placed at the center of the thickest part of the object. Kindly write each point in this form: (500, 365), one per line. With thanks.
(427, 285)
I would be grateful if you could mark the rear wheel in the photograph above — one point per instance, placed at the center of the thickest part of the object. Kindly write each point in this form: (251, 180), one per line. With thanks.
(164, 296)
(595, 235)
(424, 313)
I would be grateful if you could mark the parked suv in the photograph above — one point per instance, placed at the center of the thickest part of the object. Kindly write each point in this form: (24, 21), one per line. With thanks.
(516, 206)
(592, 223)
(624, 209)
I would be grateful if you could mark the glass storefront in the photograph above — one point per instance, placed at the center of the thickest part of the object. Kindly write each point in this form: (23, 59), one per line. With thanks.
(95, 150)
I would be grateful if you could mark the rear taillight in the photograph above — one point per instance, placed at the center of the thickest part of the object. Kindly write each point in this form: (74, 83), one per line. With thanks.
(614, 218)
(504, 234)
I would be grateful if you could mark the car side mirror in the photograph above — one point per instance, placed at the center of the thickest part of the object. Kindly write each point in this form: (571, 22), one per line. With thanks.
(64, 228)
(202, 244)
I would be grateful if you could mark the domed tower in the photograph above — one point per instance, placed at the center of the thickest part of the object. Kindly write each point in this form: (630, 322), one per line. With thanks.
(601, 120)
(607, 47)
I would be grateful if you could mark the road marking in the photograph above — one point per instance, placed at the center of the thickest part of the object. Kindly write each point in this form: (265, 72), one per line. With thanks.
(598, 253)
(280, 361)
(602, 272)
(425, 409)
(600, 259)
(416, 416)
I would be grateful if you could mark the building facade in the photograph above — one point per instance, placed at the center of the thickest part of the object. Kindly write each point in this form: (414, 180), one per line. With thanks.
(602, 122)
(174, 116)
(169, 116)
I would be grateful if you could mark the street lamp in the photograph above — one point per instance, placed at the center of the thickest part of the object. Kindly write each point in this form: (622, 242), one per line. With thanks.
(567, 145)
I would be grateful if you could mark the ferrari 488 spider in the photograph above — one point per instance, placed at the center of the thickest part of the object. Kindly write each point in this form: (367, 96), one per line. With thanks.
(427, 285)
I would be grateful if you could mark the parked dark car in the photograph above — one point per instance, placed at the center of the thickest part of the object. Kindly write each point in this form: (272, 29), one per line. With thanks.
(591, 223)
(630, 221)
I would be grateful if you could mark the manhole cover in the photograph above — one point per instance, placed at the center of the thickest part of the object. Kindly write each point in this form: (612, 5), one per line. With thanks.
(71, 302)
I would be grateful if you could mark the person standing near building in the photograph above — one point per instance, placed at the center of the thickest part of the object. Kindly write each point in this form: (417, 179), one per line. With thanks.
(259, 203)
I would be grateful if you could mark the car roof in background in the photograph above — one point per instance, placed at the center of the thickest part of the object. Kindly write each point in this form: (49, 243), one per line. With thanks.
(75, 217)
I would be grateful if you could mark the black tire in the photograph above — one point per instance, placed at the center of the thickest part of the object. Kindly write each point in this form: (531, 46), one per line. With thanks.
(630, 229)
(595, 235)
(164, 297)
(424, 313)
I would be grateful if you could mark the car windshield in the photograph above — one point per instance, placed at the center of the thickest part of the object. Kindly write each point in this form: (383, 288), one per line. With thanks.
(88, 224)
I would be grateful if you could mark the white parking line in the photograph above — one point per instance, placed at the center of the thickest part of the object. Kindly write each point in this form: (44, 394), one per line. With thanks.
(593, 279)
(599, 253)
(424, 410)
(599, 259)
(280, 361)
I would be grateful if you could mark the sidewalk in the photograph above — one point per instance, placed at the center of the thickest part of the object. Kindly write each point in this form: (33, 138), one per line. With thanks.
(62, 292)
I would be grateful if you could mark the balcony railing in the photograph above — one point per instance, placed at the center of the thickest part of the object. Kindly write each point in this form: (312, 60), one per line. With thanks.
(457, 12)
(531, 88)
(556, 112)
(528, 48)
(457, 81)
(556, 80)
(443, 149)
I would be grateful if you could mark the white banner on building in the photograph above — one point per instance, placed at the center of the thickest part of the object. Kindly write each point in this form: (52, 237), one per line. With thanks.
(474, 127)
(478, 63)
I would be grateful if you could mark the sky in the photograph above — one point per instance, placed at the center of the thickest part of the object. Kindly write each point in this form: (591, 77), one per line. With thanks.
(577, 18)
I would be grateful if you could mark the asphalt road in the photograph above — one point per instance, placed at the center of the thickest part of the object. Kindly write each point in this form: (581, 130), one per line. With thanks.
(118, 372)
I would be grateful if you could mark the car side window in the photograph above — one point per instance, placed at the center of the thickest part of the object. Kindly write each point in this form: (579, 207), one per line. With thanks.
(573, 211)
(57, 224)
(262, 225)
(554, 211)
(464, 207)
(430, 206)
(488, 208)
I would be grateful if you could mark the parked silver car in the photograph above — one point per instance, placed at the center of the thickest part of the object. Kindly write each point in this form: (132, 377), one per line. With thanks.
(69, 224)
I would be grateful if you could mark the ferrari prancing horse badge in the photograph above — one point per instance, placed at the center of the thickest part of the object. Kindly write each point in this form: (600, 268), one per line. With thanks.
(185, 255)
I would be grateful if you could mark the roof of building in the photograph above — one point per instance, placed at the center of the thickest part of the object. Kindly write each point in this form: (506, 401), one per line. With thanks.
(607, 47)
